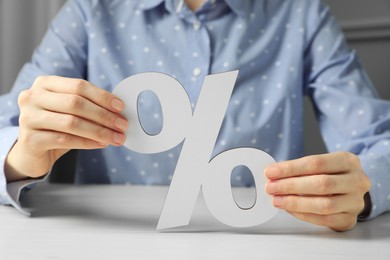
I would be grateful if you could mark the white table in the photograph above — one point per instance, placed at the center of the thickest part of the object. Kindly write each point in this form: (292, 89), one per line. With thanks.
(119, 222)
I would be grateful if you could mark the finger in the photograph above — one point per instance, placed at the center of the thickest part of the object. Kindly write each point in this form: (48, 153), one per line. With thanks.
(332, 163)
(337, 222)
(322, 184)
(82, 107)
(321, 205)
(50, 140)
(82, 88)
(69, 124)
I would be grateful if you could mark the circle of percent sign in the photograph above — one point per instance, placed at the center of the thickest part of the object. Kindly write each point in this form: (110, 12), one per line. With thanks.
(195, 169)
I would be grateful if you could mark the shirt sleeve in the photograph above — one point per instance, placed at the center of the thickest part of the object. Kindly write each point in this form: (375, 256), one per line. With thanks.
(9, 194)
(62, 52)
(351, 115)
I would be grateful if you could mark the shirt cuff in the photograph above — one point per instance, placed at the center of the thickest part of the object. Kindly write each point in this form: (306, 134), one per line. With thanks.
(10, 192)
(377, 168)
(14, 189)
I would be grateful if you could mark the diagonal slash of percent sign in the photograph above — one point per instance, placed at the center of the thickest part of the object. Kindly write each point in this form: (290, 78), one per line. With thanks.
(195, 168)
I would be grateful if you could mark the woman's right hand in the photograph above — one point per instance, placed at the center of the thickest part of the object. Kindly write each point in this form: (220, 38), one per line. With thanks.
(58, 114)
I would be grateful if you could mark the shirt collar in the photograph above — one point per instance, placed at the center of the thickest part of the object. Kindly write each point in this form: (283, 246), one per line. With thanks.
(147, 5)
(241, 8)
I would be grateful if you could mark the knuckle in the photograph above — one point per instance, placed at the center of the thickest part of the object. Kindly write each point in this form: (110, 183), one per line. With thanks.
(73, 102)
(63, 140)
(103, 133)
(79, 86)
(39, 81)
(286, 167)
(327, 206)
(70, 122)
(325, 184)
(290, 187)
(24, 97)
(317, 164)
(103, 96)
(106, 115)
(352, 159)
(363, 182)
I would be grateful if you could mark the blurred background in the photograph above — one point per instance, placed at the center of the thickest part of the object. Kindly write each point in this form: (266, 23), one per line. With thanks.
(365, 23)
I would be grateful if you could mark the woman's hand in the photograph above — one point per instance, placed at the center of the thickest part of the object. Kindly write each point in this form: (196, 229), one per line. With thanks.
(326, 190)
(58, 114)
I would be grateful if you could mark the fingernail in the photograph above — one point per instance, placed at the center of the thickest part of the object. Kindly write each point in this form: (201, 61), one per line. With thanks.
(271, 187)
(121, 123)
(117, 104)
(278, 201)
(118, 138)
(272, 172)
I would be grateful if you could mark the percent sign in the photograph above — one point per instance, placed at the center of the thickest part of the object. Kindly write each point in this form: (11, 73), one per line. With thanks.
(195, 169)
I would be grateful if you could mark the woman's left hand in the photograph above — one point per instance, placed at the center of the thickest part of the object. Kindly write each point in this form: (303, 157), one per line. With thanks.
(325, 190)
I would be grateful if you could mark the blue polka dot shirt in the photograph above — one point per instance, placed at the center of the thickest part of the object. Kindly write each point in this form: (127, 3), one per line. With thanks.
(284, 51)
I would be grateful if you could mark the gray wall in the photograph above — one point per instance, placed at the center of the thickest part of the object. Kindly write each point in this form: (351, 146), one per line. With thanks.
(365, 22)
(367, 27)
(22, 26)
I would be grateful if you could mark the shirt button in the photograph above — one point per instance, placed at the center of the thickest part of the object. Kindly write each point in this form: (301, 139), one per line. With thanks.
(196, 72)
(196, 24)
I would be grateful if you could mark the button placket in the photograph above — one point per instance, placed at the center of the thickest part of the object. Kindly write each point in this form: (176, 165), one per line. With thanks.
(196, 24)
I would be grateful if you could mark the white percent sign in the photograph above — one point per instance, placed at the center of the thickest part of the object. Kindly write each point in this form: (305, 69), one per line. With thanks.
(195, 169)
